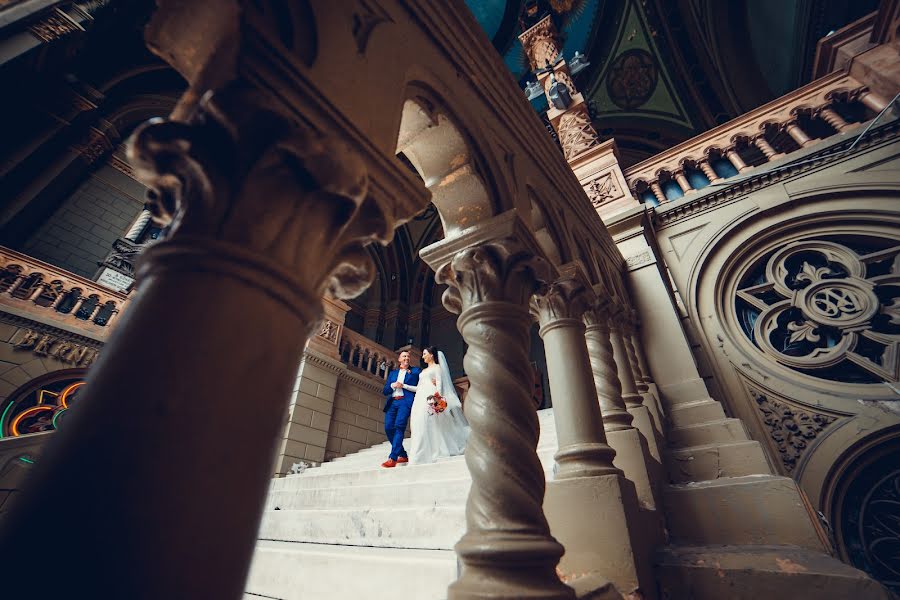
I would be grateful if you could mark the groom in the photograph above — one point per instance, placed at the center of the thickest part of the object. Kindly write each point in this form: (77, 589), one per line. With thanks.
(400, 391)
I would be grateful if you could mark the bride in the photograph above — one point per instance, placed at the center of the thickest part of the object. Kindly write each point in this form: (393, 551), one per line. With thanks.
(436, 434)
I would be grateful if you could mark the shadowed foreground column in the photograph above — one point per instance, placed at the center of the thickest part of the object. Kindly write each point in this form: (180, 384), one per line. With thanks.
(507, 551)
(158, 478)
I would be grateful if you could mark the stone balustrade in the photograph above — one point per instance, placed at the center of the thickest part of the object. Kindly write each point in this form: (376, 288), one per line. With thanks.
(39, 291)
(828, 106)
(370, 357)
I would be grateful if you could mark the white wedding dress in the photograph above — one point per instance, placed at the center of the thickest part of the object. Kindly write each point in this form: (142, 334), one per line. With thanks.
(438, 435)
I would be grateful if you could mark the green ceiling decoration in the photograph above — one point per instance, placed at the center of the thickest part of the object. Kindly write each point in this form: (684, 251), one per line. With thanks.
(635, 81)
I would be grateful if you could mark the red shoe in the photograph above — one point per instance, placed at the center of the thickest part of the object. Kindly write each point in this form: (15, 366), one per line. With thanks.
(403, 459)
(389, 463)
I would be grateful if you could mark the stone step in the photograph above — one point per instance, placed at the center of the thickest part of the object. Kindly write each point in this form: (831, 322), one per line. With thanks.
(724, 430)
(714, 461)
(449, 492)
(294, 571)
(375, 474)
(755, 509)
(424, 527)
(682, 415)
(753, 572)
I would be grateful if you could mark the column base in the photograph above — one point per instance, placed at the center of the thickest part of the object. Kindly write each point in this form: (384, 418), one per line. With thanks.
(633, 457)
(644, 423)
(605, 533)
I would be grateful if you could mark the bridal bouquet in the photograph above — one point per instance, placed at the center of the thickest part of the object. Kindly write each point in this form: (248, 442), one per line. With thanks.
(436, 404)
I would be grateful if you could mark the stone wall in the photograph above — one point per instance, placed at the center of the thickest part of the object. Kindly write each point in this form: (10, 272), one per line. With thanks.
(358, 420)
(82, 230)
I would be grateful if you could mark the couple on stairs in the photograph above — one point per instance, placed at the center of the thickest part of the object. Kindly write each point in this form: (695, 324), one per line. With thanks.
(429, 403)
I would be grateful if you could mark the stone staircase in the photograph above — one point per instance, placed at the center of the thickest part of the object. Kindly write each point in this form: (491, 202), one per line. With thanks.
(352, 529)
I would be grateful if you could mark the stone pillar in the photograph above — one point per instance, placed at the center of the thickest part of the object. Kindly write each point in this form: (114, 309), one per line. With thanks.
(797, 134)
(137, 228)
(650, 401)
(507, 551)
(736, 160)
(766, 148)
(583, 450)
(833, 119)
(632, 453)
(709, 171)
(14, 285)
(250, 199)
(633, 401)
(683, 182)
(658, 192)
(590, 505)
(872, 101)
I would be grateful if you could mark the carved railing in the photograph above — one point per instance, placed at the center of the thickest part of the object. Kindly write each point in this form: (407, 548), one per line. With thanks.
(52, 295)
(361, 353)
(826, 107)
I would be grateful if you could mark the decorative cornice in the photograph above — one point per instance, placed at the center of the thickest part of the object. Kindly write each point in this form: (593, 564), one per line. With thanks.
(673, 213)
(361, 381)
(321, 361)
(43, 328)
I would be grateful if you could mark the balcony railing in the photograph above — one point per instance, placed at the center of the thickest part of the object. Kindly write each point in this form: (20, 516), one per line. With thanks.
(361, 353)
(828, 106)
(52, 295)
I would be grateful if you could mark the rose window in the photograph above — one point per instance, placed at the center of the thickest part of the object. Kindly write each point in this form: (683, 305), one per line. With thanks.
(827, 308)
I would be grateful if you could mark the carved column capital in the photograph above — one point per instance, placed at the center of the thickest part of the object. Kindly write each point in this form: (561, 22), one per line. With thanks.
(563, 300)
(247, 195)
(503, 270)
(599, 312)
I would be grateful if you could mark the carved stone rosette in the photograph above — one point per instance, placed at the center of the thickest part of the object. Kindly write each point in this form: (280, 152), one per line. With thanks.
(583, 450)
(603, 366)
(507, 551)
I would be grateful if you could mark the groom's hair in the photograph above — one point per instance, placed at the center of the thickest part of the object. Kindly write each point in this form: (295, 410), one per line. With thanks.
(433, 350)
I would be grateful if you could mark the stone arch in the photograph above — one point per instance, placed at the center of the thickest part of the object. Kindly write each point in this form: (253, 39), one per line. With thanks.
(546, 231)
(448, 161)
(858, 500)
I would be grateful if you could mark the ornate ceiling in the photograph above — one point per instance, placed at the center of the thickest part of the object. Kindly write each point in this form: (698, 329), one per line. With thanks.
(665, 70)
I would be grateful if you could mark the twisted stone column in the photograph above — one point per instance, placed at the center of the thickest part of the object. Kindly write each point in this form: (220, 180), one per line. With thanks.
(507, 551)
(633, 400)
(658, 192)
(583, 450)
(709, 171)
(603, 366)
(228, 302)
(632, 456)
(629, 334)
(832, 118)
(766, 148)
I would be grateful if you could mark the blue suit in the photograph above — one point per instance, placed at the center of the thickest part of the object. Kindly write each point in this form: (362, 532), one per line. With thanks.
(396, 410)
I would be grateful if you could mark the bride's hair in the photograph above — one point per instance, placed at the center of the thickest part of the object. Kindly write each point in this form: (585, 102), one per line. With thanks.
(433, 350)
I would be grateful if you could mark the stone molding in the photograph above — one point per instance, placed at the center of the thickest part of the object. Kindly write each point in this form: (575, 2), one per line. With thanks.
(44, 328)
